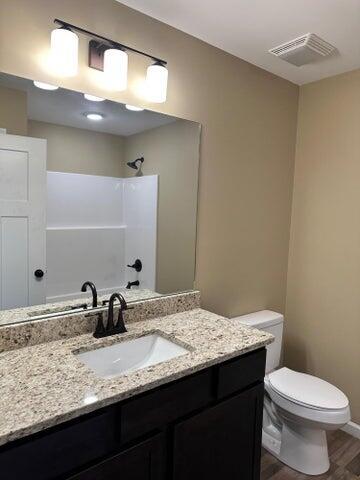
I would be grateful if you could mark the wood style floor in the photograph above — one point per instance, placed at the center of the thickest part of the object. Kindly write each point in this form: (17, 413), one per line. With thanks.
(344, 452)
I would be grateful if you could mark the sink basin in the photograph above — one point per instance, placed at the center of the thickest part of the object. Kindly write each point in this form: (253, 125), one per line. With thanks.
(130, 355)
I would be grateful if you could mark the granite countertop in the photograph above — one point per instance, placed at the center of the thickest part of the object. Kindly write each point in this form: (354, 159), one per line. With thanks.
(16, 315)
(44, 385)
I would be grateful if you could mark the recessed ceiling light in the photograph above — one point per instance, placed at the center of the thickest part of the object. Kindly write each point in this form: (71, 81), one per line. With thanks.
(94, 116)
(133, 108)
(45, 86)
(93, 98)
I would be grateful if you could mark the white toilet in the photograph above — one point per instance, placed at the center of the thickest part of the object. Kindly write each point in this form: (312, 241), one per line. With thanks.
(298, 408)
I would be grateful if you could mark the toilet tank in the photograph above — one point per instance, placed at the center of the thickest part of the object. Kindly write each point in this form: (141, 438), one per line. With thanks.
(271, 322)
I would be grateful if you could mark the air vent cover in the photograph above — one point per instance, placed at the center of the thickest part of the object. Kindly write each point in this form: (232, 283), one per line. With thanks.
(302, 50)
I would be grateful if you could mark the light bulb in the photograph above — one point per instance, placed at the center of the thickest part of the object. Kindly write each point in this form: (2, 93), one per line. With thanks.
(93, 98)
(115, 68)
(45, 86)
(156, 83)
(64, 52)
(133, 108)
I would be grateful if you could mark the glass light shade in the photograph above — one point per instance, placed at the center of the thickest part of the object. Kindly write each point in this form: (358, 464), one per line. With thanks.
(156, 83)
(115, 68)
(64, 52)
(45, 86)
(93, 98)
(133, 108)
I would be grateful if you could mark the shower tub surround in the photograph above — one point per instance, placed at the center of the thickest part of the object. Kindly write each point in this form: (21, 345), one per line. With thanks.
(120, 227)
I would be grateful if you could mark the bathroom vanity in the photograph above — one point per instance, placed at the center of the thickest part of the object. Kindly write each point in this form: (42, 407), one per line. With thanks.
(173, 393)
(176, 396)
(194, 415)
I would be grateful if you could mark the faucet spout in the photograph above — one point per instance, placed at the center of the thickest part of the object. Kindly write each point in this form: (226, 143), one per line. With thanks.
(120, 325)
(111, 328)
(93, 292)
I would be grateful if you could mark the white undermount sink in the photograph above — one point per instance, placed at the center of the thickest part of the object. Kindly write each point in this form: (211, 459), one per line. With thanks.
(130, 355)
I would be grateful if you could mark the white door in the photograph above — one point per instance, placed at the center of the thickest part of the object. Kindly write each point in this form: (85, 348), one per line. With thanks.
(22, 221)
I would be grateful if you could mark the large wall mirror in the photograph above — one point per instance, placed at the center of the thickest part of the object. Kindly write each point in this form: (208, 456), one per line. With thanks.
(91, 190)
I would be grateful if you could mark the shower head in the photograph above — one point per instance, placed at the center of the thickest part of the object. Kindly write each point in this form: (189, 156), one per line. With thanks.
(136, 165)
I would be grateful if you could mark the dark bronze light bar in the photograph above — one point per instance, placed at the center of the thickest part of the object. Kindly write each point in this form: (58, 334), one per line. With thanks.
(97, 48)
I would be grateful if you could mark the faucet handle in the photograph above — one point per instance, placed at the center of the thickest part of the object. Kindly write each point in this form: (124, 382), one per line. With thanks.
(137, 265)
(120, 325)
(100, 329)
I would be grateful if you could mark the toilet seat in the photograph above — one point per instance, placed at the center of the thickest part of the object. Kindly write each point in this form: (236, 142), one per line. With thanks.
(307, 390)
(292, 408)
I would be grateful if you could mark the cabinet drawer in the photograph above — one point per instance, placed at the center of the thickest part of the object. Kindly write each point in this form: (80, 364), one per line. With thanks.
(241, 372)
(155, 409)
(56, 453)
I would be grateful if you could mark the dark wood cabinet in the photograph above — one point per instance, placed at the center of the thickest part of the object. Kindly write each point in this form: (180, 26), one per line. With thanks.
(60, 450)
(204, 425)
(220, 442)
(164, 405)
(144, 461)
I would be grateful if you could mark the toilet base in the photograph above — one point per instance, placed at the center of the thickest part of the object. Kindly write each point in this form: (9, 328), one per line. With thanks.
(301, 448)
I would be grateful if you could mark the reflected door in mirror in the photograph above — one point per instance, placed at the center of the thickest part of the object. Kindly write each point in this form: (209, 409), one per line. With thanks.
(22, 216)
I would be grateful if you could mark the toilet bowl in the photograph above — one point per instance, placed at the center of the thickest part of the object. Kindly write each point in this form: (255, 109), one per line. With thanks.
(305, 407)
(298, 408)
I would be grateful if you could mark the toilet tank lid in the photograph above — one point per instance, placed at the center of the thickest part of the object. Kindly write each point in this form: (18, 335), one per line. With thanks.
(262, 319)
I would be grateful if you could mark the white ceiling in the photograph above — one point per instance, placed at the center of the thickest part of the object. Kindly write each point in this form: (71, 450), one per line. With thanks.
(249, 28)
(66, 107)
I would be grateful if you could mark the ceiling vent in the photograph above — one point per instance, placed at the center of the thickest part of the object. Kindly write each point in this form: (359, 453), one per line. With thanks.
(302, 50)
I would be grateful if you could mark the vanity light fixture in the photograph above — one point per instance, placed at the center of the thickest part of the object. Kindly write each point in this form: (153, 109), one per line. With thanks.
(45, 86)
(108, 56)
(115, 68)
(93, 98)
(156, 83)
(94, 116)
(133, 108)
(64, 51)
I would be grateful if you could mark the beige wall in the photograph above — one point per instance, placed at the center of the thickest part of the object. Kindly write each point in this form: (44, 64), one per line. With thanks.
(248, 137)
(323, 301)
(172, 152)
(247, 154)
(13, 111)
(74, 150)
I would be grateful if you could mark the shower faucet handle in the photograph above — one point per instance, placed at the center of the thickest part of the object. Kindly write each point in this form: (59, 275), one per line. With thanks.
(137, 265)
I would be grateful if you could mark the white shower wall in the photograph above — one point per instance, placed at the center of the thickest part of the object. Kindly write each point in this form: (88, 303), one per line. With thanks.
(140, 216)
(96, 226)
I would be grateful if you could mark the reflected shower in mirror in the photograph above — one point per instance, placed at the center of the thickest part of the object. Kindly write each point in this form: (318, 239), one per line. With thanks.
(91, 191)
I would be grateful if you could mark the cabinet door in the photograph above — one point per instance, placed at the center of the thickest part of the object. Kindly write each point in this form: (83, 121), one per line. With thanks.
(144, 461)
(223, 442)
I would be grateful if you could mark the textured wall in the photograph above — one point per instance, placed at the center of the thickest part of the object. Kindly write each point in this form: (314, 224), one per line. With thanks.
(74, 150)
(13, 111)
(248, 138)
(323, 301)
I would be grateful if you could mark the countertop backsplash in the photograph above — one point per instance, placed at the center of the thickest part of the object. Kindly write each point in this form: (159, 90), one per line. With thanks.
(30, 333)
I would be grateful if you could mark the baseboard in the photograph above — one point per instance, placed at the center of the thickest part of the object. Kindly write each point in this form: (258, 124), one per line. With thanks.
(352, 429)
